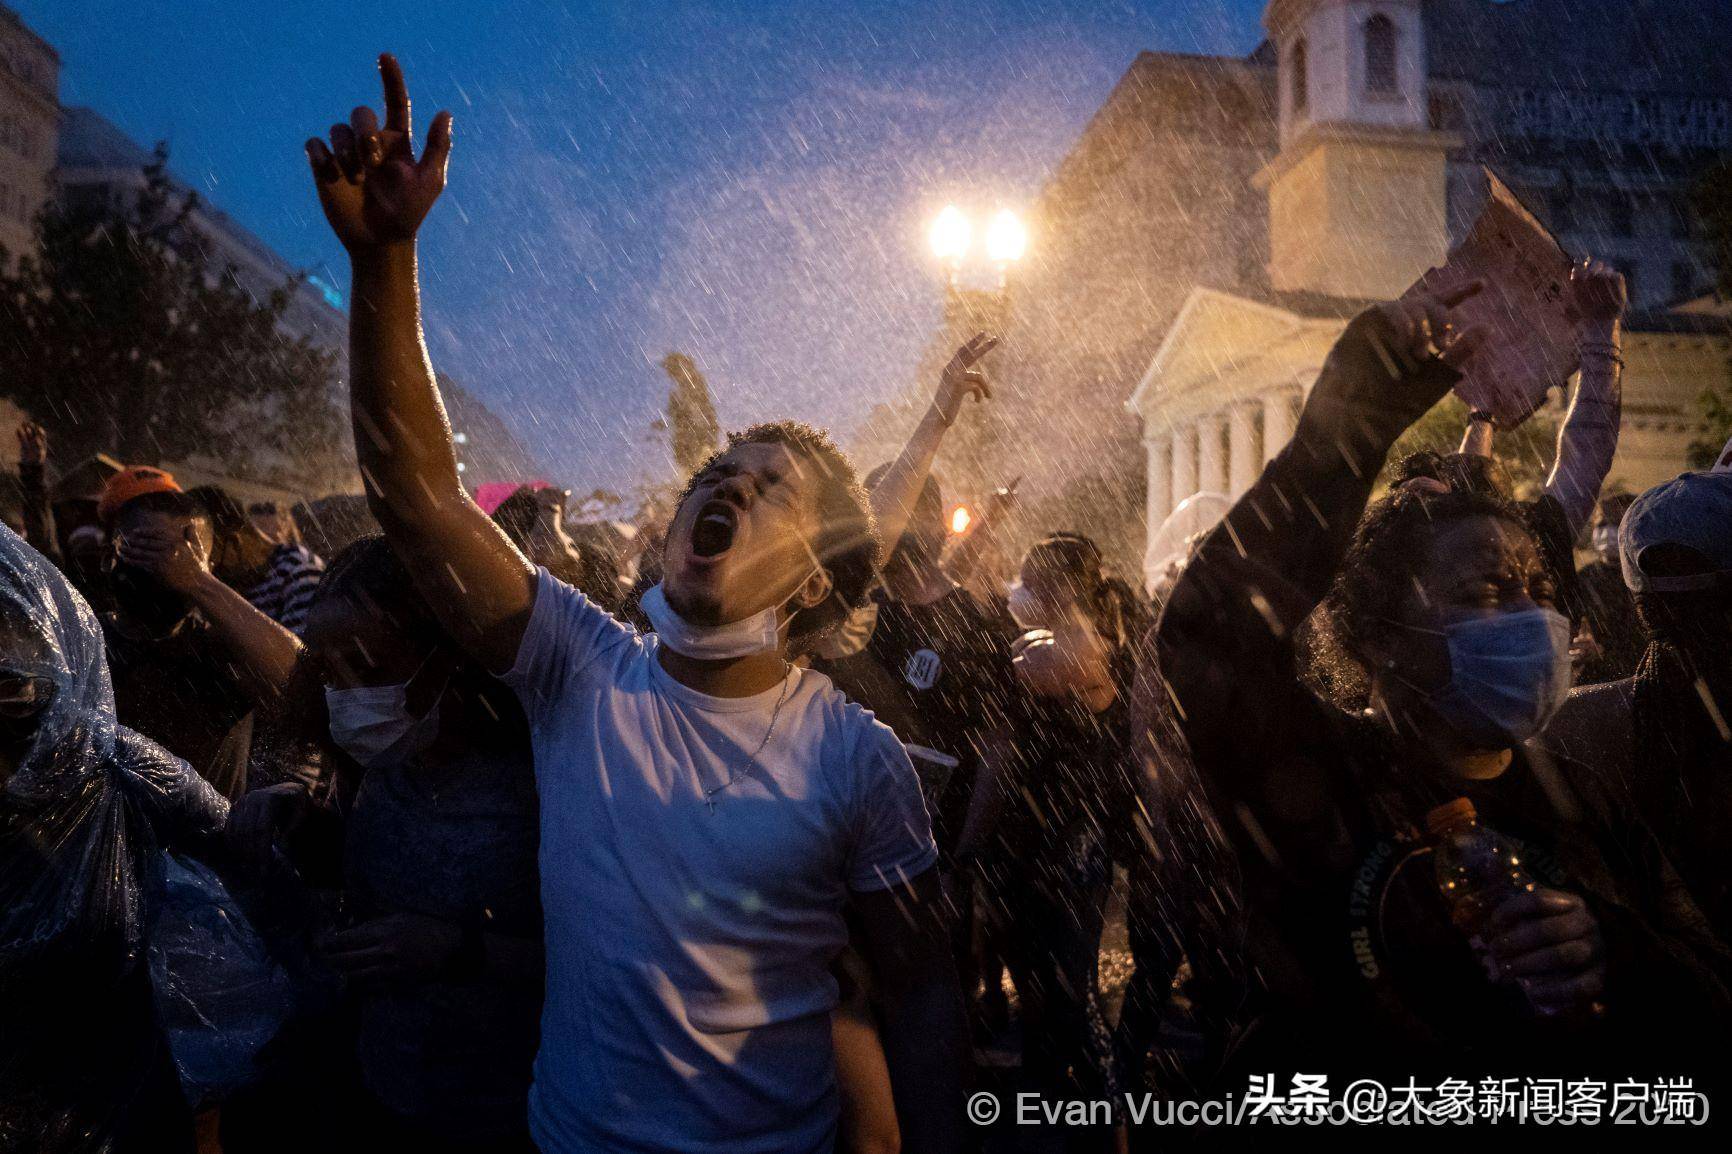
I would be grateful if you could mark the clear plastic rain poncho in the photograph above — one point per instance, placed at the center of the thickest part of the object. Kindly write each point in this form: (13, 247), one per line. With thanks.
(84, 817)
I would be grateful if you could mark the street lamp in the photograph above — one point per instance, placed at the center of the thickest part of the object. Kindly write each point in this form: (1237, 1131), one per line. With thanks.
(951, 231)
(1006, 238)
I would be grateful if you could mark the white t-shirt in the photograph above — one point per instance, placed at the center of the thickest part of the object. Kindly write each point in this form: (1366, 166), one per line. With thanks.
(688, 990)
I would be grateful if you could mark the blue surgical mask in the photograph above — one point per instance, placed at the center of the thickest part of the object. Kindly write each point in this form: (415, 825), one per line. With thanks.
(1508, 674)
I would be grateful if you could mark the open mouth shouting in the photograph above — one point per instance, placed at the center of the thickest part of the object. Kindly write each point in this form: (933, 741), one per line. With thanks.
(713, 533)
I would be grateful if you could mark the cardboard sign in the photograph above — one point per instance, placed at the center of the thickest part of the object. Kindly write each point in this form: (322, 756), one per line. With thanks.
(1530, 336)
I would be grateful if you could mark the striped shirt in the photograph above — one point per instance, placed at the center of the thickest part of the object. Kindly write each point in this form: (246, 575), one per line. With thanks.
(287, 590)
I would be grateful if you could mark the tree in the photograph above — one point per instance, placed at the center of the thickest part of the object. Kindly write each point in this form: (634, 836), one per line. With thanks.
(693, 432)
(1525, 452)
(124, 335)
(1712, 200)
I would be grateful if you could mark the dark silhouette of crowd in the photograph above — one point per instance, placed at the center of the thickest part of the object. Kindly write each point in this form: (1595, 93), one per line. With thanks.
(395, 824)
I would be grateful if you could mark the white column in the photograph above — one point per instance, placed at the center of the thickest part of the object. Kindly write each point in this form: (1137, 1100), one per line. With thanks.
(1243, 460)
(1211, 459)
(1160, 482)
(1280, 415)
(1184, 463)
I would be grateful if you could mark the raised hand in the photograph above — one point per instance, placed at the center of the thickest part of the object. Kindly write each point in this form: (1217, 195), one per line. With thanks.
(32, 444)
(1427, 324)
(180, 563)
(374, 191)
(1598, 293)
(961, 379)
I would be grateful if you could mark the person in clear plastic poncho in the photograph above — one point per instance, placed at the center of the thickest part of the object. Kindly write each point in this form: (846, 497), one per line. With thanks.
(86, 807)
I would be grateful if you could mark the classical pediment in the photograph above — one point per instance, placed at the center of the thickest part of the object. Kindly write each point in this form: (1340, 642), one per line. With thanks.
(1224, 347)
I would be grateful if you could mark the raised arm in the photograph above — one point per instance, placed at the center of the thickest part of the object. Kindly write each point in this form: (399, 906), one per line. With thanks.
(33, 487)
(894, 496)
(264, 653)
(1225, 640)
(1589, 437)
(375, 194)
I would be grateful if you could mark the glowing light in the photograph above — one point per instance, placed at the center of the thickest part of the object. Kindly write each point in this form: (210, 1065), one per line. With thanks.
(960, 520)
(1006, 237)
(950, 234)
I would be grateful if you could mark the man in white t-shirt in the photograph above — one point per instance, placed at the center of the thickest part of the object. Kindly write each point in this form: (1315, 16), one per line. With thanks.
(707, 808)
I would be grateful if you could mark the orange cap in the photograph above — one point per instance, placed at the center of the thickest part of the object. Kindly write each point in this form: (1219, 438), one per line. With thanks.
(1450, 814)
(131, 482)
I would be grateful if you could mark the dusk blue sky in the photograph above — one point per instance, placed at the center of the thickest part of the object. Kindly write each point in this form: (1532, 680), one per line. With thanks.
(748, 183)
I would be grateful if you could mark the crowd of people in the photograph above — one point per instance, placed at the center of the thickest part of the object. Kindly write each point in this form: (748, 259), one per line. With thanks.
(743, 843)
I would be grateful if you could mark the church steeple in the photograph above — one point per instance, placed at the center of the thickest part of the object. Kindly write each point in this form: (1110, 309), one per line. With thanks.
(1356, 195)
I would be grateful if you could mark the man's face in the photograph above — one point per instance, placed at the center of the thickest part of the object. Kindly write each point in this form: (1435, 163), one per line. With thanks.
(360, 642)
(738, 544)
(163, 523)
(139, 594)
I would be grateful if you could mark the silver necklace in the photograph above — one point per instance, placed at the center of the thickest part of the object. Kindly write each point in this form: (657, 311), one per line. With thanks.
(752, 762)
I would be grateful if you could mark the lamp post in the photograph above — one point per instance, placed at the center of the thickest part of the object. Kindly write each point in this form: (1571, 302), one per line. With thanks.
(1006, 241)
(971, 307)
(951, 232)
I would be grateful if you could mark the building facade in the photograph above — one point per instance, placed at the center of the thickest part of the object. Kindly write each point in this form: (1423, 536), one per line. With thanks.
(99, 164)
(29, 127)
(1376, 177)
(1220, 219)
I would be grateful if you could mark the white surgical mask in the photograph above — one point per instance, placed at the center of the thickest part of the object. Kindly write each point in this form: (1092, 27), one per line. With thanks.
(759, 633)
(373, 725)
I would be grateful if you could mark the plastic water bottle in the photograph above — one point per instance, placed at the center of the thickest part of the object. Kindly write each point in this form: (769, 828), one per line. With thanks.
(1477, 870)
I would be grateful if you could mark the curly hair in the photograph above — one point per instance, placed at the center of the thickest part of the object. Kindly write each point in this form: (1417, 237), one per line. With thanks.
(1377, 576)
(847, 543)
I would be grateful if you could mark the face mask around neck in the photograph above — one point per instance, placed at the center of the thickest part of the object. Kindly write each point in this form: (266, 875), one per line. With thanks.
(759, 633)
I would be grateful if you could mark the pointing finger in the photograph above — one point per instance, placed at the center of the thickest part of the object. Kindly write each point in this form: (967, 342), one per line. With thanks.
(396, 94)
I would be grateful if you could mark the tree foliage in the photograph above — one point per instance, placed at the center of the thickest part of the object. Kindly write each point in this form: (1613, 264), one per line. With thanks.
(122, 334)
(1525, 452)
(693, 431)
(1712, 200)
